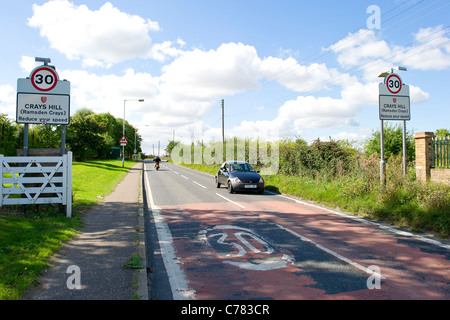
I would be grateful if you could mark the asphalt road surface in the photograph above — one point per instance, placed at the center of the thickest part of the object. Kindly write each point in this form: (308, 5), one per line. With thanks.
(207, 244)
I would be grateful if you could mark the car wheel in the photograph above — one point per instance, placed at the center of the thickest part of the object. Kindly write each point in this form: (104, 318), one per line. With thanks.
(230, 187)
(217, 183)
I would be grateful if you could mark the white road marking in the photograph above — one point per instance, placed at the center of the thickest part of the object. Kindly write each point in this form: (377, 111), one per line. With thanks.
(199, 184)
(362, 220)
(274, 262)
(231, 201)
(334, 254)
(177, 278)
(185, 177)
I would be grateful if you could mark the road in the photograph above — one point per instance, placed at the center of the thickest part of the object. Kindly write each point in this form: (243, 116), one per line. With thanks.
(207, 244)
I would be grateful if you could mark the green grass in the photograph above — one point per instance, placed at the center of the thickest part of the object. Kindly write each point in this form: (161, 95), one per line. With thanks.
(27, 240)
(93, 180)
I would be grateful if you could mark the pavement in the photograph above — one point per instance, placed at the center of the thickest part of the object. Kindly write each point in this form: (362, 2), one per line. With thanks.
(96, 265)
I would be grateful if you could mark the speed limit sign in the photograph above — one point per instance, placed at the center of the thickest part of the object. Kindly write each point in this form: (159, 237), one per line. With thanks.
(394, 83)
(44, 78)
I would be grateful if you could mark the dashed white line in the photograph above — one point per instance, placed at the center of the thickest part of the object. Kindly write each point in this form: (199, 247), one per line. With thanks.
(379, 225)
(199, 184)
(334, 254)
(231, 201)
(185, 177)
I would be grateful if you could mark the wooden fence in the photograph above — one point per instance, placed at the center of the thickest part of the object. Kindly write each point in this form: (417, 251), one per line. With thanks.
(36, 180)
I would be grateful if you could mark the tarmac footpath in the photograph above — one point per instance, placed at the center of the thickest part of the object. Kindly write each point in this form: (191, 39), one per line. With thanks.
(93, 266)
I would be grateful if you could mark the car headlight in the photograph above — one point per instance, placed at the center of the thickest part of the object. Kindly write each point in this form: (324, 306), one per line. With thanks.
(237, 180)
(261, 180)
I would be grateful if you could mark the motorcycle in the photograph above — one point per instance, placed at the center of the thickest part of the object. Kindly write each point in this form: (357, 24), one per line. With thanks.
(156, 161)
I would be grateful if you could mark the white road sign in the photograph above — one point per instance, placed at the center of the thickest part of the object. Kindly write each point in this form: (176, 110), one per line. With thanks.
(394, 101)
(123, 140)
(44, 78)
(394, 108)
(42, 98)
(394, 83)
(43, 109)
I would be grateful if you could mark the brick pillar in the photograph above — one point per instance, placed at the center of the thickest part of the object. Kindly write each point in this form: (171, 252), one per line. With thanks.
(423, 155)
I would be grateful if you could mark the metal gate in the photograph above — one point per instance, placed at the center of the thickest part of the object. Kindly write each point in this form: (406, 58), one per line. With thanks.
(36, 180)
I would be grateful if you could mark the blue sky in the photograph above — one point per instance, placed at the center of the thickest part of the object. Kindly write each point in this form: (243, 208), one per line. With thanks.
(284, 68)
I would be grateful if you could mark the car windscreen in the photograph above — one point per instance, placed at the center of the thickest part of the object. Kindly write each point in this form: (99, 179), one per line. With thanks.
(241, 167)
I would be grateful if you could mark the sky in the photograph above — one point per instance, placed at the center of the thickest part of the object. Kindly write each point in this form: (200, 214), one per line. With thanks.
(284, 69)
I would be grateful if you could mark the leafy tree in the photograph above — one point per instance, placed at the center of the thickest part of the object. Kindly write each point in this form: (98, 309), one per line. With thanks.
(172, 144)
(9, 136)
(393, 142)
(442, 133)
(44, 136)
(84, 135)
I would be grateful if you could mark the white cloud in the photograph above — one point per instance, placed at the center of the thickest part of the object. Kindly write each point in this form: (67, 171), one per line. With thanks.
(106, 93)
(265, 129)
(429, 50)
(321, 112)
(204, 75)
(165, 50)
(27, 63)
(359, 48)
(101, 37)
(418, 95)
(359, 93)
(8, 100)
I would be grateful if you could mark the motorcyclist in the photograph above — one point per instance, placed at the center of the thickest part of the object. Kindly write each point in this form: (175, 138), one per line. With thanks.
(157, 160)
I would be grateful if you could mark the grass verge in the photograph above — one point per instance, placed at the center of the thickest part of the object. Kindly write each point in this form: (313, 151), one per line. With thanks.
(27, 240)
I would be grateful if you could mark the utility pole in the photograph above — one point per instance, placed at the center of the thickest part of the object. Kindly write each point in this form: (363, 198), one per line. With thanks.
(223, 127)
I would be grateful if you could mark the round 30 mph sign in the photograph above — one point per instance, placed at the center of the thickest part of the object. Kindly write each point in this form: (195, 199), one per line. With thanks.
(44, 78)
(394, 83)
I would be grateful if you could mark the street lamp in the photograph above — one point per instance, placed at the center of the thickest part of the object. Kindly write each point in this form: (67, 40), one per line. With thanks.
(123, 148)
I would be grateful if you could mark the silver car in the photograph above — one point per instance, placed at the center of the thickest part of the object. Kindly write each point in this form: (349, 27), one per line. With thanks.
(239, 176)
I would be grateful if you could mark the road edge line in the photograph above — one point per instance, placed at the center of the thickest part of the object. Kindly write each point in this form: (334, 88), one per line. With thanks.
(177, 279)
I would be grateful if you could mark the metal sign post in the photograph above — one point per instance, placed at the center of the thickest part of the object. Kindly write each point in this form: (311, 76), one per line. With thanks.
(123, 142)
(394, 104)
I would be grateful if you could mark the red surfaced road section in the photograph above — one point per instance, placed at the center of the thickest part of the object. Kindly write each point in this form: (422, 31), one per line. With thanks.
(285, 250)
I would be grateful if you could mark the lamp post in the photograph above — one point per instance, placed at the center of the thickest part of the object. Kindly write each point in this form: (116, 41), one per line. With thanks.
(123, 148)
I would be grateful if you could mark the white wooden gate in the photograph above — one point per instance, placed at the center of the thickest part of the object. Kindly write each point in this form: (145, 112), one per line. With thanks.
(36, 180)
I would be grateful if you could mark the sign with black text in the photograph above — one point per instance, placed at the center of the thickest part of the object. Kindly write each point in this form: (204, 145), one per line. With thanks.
(394, 101)
(43, 98)
(43, 108)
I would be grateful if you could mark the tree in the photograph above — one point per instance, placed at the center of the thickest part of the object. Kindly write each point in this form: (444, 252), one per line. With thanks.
(92, 136)
(9, 136)
(172, 144)
(442, 133)
(44, 136)
(84, 135)
(393, 142)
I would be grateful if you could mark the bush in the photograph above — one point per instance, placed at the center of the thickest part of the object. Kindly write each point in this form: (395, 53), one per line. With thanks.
(325, 159)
